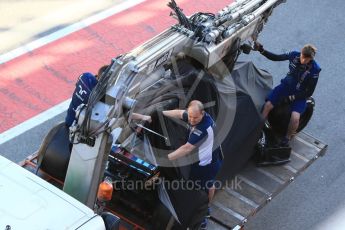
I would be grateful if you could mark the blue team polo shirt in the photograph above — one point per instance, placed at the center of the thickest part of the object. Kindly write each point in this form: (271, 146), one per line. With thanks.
(202, 136)
(299, 76)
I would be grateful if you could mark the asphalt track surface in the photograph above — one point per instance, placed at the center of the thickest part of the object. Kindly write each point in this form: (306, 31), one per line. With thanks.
(314, 200)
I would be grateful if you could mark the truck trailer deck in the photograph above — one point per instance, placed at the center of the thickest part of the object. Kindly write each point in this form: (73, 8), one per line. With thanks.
(249, 191)
(254, 187)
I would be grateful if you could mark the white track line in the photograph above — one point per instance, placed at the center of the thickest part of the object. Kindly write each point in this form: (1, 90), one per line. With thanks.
(60, 108)
(68, 30)
(34, 121)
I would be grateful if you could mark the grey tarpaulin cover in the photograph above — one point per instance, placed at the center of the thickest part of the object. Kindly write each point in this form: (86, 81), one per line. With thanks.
(233, 100)
(252, 81)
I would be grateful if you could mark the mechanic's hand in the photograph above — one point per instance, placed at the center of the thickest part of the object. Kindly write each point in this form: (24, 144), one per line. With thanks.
(147, 118)
(258, 47)
(138, 130)
(144, 118)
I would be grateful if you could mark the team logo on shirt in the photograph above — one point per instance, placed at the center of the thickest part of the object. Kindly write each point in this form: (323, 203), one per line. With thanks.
(316, 75)
(197, 132)
(81, 90)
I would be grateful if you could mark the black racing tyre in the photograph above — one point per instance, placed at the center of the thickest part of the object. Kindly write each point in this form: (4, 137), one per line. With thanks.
(162, 218)
(54, 153)
(111, 221)
(279, 117)
(306, 116)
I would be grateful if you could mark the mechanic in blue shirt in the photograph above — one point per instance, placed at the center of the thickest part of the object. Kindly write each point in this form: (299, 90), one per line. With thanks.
(201, 138)
(86, 82)
(296, 87)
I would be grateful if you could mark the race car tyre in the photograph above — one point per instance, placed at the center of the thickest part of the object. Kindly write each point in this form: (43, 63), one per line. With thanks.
(306, 116)
(54, 152)
(279, 117)
(162, 218)
(111, 221)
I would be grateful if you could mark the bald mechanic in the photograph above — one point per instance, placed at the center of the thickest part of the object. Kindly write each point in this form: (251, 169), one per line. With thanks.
(201, 138)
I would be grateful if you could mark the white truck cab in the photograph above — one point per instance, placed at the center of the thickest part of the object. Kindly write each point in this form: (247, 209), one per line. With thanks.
(29, 202)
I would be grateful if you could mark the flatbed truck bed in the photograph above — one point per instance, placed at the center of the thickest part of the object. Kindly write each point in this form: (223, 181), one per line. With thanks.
(254, 186)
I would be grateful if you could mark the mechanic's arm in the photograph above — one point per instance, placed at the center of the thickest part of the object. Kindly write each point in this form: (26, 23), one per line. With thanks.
(181, 151)
(273, 57)
(176, 113)
(138, 116)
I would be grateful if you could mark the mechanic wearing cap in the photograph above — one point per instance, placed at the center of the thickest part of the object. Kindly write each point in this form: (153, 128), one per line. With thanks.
(86, 82)
(201, 138)
(296, 87)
